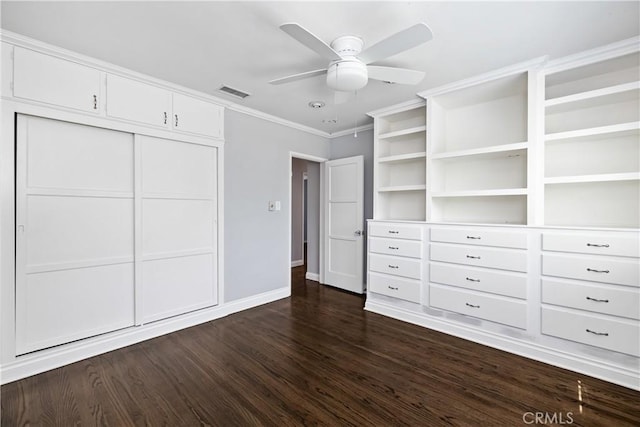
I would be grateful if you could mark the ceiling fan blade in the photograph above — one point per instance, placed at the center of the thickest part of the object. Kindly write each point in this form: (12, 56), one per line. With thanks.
(308, 39)
(299, 76)
(399, 42)
(395, 75)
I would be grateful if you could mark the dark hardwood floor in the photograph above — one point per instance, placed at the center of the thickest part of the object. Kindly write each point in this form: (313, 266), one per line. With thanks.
(313, 359)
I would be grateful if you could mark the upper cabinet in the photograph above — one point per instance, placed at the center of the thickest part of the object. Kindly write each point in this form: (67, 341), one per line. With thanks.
(400, 168)
(44, 78)
(196, 116)
(139, 102)
(478, 139)
(592, 140)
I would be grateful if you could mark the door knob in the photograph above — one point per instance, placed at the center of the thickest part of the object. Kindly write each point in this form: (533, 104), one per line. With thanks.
(359, 233)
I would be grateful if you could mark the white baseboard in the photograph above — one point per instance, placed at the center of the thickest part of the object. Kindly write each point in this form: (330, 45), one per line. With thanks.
(297, 263)
(46, 360)
(614, 374)
(312, 276)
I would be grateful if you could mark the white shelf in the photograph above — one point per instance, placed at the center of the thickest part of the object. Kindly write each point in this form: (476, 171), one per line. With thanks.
(402, 132)
(419, 187)
(594, 94)
(600, 130)
(482, 193)
(402, 157)
(498, 150)
(610, 177)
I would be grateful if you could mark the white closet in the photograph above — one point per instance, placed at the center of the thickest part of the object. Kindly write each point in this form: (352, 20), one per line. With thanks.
(114, 229)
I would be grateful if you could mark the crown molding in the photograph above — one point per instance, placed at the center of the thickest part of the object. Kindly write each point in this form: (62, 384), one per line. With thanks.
(402, 106)
(46, 48)
(347, 132)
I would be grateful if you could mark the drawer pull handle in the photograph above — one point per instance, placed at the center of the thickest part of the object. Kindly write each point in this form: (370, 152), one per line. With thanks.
(393, 266)
(597, 300)
(394, 247)
(597, 271)
(392, 288)
(165, 117)
(474, 237)
(471, 305)
(604, 334)
(95, 102)
(473, 257)
(393, 232)
(472, 280)
(594, 245)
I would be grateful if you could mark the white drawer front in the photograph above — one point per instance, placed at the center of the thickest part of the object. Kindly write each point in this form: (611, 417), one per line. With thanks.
(616, 335)
(495, 309)
(400, 231)
(598, 298)
(597, 244)
(505, 259)
(596, 269)
(399, 247)
(501, 283)
(473, 236)
(396, 287)
(395, 265)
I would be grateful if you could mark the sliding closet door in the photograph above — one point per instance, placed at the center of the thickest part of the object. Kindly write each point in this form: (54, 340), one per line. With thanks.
(177, 206)
(75, 232)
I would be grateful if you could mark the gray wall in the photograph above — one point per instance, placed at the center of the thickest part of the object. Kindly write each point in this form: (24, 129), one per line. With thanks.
(257, 163)
(347, 146)
(298, 168)
(313, 217)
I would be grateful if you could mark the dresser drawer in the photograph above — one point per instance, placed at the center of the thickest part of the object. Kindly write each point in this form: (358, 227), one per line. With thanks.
(597, 244)
(598, 298)
(473, 236)
(504, 259)
(501, 283)
(592, 268)
(399, 247)
(397, 266)
(617, 335)
(495, 309)
(400, 231)
(396, 287)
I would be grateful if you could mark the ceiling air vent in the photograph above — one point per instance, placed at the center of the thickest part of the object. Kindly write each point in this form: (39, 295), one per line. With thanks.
(234, 92)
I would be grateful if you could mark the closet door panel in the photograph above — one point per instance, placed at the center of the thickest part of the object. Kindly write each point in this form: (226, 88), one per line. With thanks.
(57, 307)
(94, 158)
(177, 225)
(75, 232)
(65, 230)
(177, 168)
(178, 285)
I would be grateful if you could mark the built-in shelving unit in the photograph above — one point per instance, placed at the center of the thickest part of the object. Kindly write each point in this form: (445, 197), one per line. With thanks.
(592, 142)
(477, 149)
(400, 162)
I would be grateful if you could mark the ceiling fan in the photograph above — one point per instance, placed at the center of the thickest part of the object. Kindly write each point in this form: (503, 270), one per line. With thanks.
(349, 68)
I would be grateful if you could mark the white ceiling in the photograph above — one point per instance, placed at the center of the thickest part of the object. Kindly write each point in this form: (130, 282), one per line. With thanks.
(203, 45)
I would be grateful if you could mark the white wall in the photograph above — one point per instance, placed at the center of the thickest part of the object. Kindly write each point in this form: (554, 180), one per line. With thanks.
(257, 164)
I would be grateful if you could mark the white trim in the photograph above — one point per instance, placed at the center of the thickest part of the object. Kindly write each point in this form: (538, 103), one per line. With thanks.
(602, 53)
(616, 375)
(312, 276)
(275, 119)
(45, 360)
(297, 263)
(486, 77)
(346, 132)
(396, 108)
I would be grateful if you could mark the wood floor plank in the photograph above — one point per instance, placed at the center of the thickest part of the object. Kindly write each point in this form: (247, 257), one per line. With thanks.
(316, 358)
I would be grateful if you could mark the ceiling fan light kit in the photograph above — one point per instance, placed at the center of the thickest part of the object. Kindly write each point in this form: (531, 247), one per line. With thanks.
(348, 69)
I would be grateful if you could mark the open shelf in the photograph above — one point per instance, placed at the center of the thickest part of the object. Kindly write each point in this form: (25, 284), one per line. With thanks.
(594, 97)
(402, 132)
(481, 193)
(401, 158)
(600, 130)
(488, 209)
(402, 188)
(401, 205)
(633, 176)
(495, 151)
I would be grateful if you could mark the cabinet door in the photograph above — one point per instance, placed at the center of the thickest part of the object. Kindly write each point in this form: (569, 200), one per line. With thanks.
(196, 116)
(139, 102)
(55, 81)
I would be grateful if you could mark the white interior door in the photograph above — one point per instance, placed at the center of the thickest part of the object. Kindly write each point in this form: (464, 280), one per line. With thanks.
(75, 232)
(344, 223)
